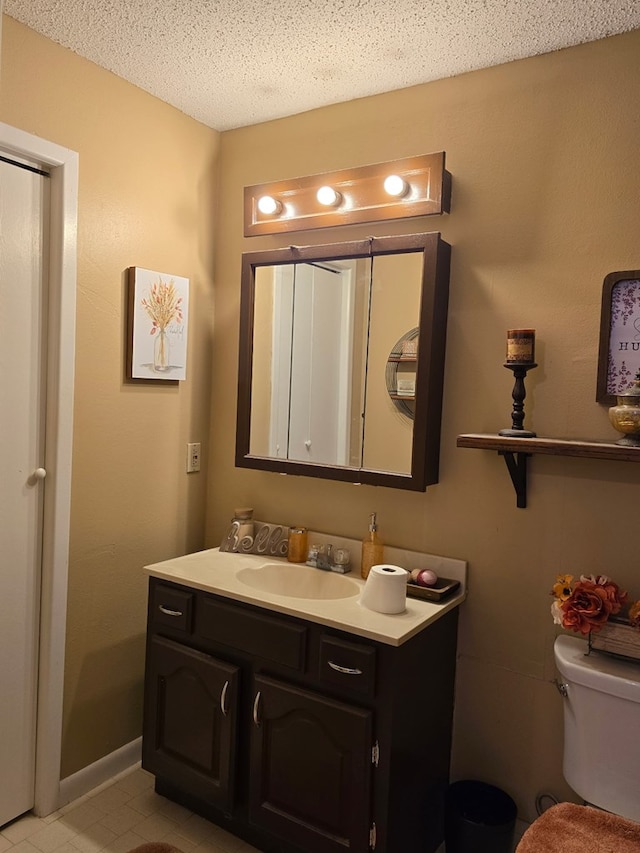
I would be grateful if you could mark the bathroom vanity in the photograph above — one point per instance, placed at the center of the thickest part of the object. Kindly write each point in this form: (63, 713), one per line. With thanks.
(302, 723)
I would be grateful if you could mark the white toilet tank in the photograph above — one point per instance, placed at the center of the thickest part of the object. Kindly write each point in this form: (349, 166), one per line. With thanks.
(601, 727)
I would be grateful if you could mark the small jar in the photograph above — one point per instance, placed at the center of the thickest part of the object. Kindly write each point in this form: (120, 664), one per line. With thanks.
(244, 518)
(625, 417)
(297, 548)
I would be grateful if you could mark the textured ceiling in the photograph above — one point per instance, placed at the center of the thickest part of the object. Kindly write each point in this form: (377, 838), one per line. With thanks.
(230, 63)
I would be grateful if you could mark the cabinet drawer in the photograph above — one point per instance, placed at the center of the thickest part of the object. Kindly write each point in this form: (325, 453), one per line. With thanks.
(350, 666)
(257, 634)
(172, 608)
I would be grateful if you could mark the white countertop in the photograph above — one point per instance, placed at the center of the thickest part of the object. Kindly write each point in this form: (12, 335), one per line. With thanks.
(217, 572)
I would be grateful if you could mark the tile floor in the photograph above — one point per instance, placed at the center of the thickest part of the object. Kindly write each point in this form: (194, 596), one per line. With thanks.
(118, 816)
(115, 818)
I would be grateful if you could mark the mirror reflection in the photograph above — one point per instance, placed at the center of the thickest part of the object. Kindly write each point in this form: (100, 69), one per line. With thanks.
(318, 334)
(309, 361)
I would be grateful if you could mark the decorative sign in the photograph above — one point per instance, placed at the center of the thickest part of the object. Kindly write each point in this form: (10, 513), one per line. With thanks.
(619, 356)
(270, 540)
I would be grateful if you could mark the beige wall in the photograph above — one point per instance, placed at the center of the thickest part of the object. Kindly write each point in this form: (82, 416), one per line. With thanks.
(146, 198)
(546, 197)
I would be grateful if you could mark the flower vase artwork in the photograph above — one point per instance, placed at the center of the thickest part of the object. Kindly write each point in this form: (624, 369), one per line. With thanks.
(597, 608)
(159, 306)
(163, 305)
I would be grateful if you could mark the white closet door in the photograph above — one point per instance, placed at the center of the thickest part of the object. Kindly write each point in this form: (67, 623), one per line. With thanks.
(321, 365)
(23, 198)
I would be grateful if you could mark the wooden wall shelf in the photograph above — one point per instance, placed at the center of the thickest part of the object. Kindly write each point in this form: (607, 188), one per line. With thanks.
(516, 451)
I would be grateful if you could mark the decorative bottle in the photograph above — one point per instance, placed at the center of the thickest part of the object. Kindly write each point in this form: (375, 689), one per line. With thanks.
(244, 517)
(239, 536)
(372, 548)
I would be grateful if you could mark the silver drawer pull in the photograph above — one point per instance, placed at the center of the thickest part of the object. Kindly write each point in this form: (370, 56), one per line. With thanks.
(168, 612)
(223, 699)
(347, 670)
(256, 706)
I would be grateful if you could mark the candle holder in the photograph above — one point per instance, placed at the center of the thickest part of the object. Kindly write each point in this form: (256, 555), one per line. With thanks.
(520, 369)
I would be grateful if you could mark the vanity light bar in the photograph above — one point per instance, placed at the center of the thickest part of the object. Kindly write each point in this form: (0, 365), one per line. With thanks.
(414, 186)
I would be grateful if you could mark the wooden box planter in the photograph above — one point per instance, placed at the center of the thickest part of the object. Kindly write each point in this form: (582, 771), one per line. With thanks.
(618, 637)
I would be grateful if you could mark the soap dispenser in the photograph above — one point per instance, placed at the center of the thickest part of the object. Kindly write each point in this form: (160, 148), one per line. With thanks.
(372, 548)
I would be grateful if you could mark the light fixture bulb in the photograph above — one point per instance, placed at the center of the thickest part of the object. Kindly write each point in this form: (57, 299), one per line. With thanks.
(328, 196)
(269, 205)
(396, 186)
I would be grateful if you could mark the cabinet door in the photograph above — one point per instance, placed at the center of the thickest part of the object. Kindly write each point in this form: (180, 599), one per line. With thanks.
(310, 768)
(190, 720)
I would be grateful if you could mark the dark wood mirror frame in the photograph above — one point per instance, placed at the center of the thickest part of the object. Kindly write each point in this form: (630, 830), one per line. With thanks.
(430, 365)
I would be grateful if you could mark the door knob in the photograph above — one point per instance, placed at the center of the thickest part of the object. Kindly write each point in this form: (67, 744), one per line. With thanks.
(38, 474)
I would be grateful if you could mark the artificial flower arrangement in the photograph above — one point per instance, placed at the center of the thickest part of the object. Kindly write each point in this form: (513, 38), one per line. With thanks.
(585, 605)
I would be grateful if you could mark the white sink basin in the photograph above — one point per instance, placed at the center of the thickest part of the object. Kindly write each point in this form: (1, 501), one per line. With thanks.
(298, 581)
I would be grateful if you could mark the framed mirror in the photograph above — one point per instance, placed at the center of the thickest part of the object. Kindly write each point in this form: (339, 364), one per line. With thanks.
(318, 327)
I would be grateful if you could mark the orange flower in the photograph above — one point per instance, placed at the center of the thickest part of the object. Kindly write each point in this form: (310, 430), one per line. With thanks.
(562, 587)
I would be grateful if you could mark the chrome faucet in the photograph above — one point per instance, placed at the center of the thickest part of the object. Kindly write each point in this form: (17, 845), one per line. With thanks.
(330, 559)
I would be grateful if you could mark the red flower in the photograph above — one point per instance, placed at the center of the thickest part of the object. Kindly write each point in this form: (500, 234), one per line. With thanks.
(613, 593)
(591, 603)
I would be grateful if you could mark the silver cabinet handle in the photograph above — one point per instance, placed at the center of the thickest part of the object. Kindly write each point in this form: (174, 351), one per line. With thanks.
(223, 699)
(168, 612)
(347, 670)
(256, 706)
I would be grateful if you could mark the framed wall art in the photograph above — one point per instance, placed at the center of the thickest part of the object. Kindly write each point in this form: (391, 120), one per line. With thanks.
(157, 325)
(619, 353)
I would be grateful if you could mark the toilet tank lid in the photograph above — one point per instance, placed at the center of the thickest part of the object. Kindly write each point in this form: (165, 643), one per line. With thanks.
(597, 671)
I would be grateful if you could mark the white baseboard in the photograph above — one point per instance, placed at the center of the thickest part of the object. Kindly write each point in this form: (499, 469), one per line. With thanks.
(101, 772)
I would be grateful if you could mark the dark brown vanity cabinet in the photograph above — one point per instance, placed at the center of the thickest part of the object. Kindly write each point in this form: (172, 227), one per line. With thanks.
(294, 736)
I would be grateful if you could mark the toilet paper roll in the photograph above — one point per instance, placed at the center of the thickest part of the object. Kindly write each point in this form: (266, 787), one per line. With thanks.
(385, 590)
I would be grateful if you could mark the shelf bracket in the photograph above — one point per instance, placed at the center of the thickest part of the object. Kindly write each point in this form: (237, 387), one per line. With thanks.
(517, 467)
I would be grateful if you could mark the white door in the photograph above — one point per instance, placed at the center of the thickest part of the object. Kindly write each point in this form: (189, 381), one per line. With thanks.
(311, 378)
(23, 200)
(282, 332)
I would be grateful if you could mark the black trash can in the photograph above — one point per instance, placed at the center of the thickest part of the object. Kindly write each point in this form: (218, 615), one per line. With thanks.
(479, 818)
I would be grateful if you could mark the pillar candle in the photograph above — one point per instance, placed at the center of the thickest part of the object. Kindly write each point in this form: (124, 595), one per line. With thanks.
(521, 346)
